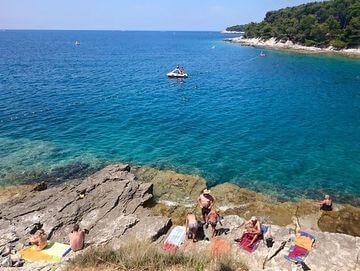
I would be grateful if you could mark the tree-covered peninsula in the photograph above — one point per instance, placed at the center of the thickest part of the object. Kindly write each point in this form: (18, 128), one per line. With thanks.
(322, 24)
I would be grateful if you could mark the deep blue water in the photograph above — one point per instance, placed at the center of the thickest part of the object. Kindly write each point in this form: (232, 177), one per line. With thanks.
(286, 124)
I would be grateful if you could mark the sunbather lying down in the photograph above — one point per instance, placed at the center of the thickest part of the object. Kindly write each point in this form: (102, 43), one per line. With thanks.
(252, 228)
(39, 240)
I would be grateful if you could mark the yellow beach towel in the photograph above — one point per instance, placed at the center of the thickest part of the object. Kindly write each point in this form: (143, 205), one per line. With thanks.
(29, 254)
(52, 253)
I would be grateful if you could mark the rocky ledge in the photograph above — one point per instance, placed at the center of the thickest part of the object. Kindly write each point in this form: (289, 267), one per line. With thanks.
(272, 43)
(175, 193)
(121, 204)
(112, 210)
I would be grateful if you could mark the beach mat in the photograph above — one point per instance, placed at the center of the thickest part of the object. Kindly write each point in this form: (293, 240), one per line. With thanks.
(52, 253)
(246, 240)
(175, 239)
(301, 247)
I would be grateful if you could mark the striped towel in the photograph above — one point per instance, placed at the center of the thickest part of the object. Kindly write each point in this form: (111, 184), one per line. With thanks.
(175, 239)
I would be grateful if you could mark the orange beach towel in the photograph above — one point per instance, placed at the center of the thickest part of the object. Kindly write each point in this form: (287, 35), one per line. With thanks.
(304, 242)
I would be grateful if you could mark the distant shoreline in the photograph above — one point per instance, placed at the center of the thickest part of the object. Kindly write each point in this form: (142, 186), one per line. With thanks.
(290, 46)
(231, 32)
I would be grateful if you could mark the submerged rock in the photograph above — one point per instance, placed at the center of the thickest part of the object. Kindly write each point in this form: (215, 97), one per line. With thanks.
(40, 186)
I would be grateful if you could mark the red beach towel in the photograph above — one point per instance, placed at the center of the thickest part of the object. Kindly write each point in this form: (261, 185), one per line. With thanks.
(298, 252)
(246, 240)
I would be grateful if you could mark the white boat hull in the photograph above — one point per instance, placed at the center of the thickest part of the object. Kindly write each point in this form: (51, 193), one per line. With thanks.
(176, 75)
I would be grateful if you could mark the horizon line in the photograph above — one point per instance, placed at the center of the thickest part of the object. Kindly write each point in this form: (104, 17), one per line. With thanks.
(120, 30)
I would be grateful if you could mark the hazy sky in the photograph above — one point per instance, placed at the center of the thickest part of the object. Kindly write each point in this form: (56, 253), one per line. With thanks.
(135, 14)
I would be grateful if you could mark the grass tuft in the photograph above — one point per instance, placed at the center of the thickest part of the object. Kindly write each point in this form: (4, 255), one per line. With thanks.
(140, 256)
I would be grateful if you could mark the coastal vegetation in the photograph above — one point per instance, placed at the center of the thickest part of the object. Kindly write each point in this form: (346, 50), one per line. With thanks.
(322, 24)
(136, 255)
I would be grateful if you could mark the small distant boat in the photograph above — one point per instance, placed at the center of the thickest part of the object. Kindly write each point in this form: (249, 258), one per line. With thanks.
(77, 43)
(177, 73)
(262, 54)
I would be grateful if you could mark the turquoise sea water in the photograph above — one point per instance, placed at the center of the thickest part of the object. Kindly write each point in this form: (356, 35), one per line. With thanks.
(285, 124)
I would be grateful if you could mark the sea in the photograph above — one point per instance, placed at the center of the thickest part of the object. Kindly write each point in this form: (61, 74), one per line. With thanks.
(286, 124)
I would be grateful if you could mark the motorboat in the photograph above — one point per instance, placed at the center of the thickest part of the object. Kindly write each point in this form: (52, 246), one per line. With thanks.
(77, 43)
(262, 54)
(177, 73)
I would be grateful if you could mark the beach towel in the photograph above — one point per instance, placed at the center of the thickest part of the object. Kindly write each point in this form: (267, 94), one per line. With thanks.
(304, 242)
(175, 239)
(246, 240)
(52, 253)
(302, 246)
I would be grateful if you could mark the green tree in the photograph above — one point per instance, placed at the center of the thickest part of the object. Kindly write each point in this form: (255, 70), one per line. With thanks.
(317, 24)
(338, 44)
(352, 32)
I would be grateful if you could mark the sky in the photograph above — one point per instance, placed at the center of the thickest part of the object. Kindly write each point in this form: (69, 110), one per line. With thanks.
(135, 14)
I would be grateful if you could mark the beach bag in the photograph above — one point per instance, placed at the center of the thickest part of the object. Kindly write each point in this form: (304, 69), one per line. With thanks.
(268, 239)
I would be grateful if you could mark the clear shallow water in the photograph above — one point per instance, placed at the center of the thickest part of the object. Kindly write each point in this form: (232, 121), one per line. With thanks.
(286, 124)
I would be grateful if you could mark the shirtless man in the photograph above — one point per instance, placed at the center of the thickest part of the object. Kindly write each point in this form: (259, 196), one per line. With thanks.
(206, 202)
(252, 227)
(326, 204)
(39, 240)
(191, 226)
(77, 238)
(213, 219)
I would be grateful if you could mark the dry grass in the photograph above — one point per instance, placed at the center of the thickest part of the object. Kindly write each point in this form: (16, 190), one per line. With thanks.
(140, 256)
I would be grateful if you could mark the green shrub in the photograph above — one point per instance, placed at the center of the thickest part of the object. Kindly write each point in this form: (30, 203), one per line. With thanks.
(310, 43)
(338, 44)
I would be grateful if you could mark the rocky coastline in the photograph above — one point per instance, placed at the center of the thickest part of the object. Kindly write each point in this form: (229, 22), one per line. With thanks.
(123, 203)
(290, 46)
(231, 32)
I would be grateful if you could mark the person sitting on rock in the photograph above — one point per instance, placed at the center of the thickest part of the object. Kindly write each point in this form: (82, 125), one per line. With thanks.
(213, 219)
(191, 226)
(77, 238)
(206, 202)
(39, 240)
(253, 229)
(326, 204)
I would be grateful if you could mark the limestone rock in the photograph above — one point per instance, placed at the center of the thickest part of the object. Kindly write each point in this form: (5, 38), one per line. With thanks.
(113, 205)
(171, 186)
(40, 186)
(175, 194)
(108, 204)
(331, 252)
(345, 220)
